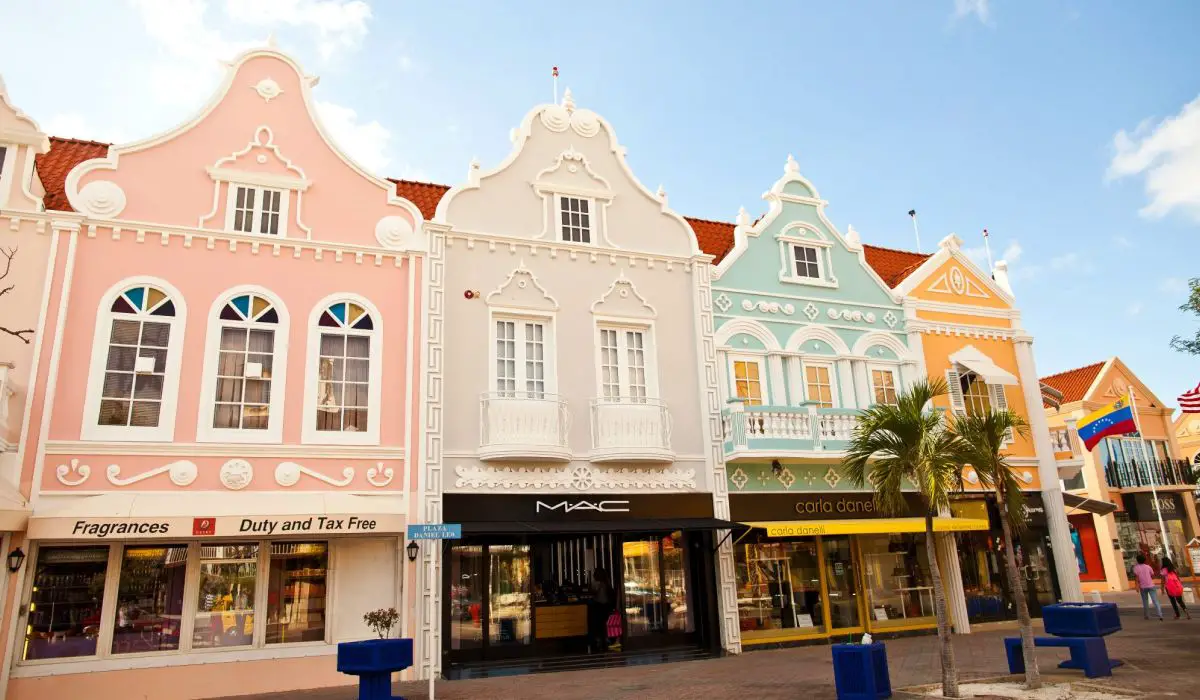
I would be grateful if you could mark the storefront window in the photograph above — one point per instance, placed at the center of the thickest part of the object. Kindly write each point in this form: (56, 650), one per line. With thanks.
(1147, 538)
(675, 578)
(296, 592)
(842, 582)
(981, 560)
(150, 599)
(509, 601)
(643, 610)
(466, 597)
(225, 606)
(779, 588)
(67, 602)
(898, 579)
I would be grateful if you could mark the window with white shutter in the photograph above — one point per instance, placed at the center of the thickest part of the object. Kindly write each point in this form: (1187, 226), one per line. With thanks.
(1000, 403)
(958, 403)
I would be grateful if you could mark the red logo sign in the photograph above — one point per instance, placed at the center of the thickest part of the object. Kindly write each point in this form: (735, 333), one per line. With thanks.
(204, 526)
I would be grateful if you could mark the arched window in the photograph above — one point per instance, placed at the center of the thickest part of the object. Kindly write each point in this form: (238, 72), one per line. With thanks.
(244, 368)
(343, 387)
(135, 365)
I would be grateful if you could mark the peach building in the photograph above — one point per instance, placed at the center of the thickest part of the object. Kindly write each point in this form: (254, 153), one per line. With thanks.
(194, 399)
(1134, 480)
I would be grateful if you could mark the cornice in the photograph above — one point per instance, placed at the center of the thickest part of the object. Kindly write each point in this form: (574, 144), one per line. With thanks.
(221, 449)
(574, 251)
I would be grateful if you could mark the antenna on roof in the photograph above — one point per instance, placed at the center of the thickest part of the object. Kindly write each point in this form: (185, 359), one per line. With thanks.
(988, 247)
(913, 213)
(554, 77)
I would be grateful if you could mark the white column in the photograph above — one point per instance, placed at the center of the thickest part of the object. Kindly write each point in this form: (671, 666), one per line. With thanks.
(723, 375)
(862, 383)
(795, 373)
(1065, 565)
(845, 386)
(777, 392)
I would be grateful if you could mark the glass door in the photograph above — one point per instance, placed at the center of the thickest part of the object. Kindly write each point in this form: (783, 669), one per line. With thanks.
(655, 587)
(842, 584)
(1033, 563)
(509, 613)
(466, 598)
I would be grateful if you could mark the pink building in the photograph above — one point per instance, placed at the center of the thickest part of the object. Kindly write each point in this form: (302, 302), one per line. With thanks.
(200, 431)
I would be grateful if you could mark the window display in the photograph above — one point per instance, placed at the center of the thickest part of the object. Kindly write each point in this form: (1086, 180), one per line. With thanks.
(1138, 537)
(150, 599)
(225, 606)
(67, 602)
(779, 588)
(296, 592)
(899, 584)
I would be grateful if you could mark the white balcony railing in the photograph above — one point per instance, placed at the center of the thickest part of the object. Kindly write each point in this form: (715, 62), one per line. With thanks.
(523, 425)
(626, 429)
(768, 429)
(1060, 440)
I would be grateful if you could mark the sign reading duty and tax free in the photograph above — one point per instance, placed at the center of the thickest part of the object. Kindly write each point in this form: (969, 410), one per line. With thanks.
(435, 531)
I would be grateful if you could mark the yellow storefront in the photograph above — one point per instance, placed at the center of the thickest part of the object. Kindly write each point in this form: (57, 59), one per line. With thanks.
(823, 565)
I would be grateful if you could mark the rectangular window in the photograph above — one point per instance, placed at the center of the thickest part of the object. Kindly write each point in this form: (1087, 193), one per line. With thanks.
(225, 606)
(150, 599)
(747, 381)
(623, 371)
(134, 373)
(256, 210)
(296, 592)
(976, 394)
(67, 602)
(521, 365)
(883, 383)
(818, 386)
(344, 377)
(806, 262)
(575, 219)
(243, 392)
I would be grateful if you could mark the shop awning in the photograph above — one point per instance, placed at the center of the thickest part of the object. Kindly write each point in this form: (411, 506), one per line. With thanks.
(982, 365)
(865, 526)
(1088, 505)
(14, 511)
(215, 514)
(595, 526)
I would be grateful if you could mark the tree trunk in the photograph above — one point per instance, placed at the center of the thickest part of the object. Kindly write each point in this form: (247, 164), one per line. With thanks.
(1016, 585)
(949, 671)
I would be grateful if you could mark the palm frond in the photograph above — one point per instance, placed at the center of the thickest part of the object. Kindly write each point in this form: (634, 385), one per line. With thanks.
(982, 439)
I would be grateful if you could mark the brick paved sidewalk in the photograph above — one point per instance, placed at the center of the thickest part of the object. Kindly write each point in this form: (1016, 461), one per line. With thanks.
(1161, 659)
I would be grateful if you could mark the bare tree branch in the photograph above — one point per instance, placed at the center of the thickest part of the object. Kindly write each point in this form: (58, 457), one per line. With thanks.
(19, 334)
(8, 253)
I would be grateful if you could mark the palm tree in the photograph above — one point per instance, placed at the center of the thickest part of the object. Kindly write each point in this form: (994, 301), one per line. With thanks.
(983, 436)
(909, 443)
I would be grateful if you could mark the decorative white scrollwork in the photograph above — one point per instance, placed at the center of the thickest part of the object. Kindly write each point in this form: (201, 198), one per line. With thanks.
(559, 118)
(288, 474)
(722, 302)
(374, 472)
(102, 198)
(890, 319)
(397, 233)
(236, 474)
(182, 473)
(268, 89)
(573, 478)
(64, 472)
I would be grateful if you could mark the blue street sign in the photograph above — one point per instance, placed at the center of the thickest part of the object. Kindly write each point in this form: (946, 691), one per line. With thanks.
(435, 531)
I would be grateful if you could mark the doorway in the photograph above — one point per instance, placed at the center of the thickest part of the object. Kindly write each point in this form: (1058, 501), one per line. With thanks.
(843, 585)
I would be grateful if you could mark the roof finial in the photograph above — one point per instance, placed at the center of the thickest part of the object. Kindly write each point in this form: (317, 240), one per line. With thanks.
(271, 40)
(662, 194)
(743, 218)
(792, 166)
(568, 101)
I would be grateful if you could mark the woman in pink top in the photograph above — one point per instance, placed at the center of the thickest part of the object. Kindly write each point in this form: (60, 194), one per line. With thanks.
(1145, 581)
(1173, 587)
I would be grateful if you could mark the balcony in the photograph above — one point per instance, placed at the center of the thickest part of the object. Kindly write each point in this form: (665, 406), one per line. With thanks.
(1141, 475)
(770, 431)
(523, 425)
(630, 429)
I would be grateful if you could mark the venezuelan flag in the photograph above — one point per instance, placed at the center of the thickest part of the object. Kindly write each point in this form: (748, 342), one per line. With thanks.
(1114, 419)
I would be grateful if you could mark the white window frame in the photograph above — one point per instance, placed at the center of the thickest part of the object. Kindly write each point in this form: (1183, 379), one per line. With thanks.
(205, 432)
(231, 205)
(649, 356)
(831, 367)
(165, 430)
(893, 370)
(549, 351)
(309, 434)
(591, 214)
(105, 660)
(997, 399)
(8, 157)
(764, 384)
(787, 245)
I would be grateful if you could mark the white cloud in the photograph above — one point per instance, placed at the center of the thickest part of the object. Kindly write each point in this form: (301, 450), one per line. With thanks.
(1167, 156)
(340, 24)
(76, 126)
(976, 8)
(365, 142)
(1122, 242)
(1173, 285)
(1012, 252)
(1134, 309)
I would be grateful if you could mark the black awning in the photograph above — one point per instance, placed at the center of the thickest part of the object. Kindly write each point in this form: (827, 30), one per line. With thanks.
(516, 527)
(1087, 505)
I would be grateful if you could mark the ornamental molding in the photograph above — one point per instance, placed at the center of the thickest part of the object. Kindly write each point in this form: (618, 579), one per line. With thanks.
(579, 478)
(288, 474)
(955, 282)
(522, 291)
(267, 89)
(236, 474)
(964, 331)
(66, 473)
(768, 307)
(102, 198)
(558, 118)
(622, 299)
(375, 473)
(182, 473)
(573, 251)
(396, 232)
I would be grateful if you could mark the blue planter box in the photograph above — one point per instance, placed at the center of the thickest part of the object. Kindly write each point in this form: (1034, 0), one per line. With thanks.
(1081, 619)
(860, 671)
(374, 661)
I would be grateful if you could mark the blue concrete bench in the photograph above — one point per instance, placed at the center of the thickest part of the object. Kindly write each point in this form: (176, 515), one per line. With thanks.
(1087, 654)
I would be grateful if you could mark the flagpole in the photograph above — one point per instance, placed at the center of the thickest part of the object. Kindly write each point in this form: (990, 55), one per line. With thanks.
(988, 247)
(913, 213)
(554, 76)
(1146, 452)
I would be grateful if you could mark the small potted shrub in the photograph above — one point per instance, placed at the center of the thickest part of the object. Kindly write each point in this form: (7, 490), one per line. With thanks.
(376, 657)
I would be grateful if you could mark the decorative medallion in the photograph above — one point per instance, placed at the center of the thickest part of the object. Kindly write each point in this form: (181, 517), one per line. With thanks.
(739, 478)
(811, 311)
(66, 473)
(102, 198)
(832, 478)
(890, 319)
(236, 474)
(786, 477)
(268, 89)
(722, 302)
(374, 473)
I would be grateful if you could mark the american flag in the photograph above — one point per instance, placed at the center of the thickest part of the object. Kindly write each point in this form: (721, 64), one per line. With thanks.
(1189, 401)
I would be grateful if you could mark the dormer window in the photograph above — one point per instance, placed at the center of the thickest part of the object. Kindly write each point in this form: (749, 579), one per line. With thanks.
(257, 210)
(806, 255)
(807, 261)
(575, 219)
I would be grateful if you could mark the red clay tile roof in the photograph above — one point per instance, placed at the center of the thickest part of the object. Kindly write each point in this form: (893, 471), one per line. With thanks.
(714, 237)
(425, 195)
(53, 166)
(893, 265)
(1074, 383)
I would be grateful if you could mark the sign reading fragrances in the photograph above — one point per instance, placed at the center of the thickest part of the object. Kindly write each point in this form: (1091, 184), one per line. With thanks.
(49, 528)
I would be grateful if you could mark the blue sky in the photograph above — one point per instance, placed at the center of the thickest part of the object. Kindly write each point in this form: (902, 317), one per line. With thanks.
(1065, 127)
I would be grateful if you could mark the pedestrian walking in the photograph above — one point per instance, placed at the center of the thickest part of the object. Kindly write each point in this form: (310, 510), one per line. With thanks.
(1173, 587)
(599, 608)
(1144, 576)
